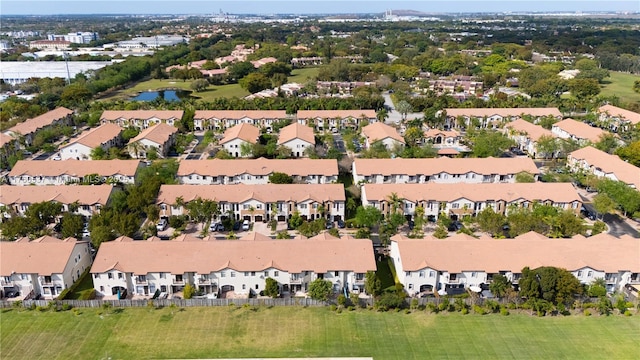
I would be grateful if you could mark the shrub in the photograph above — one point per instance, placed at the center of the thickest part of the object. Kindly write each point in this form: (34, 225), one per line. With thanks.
(432, 308)
(66, 307)
(41, 308)
(342, 300)
(407, 311)
(587, 313)
(188, 291)
(479, 310)
(339, 311)
(333, 307)
(627, 313)
(504, 311)
(444, 305)
(351, 308)
(390, 300)
(76, 311)
(492, 305)
(17, 304)
(414, 303)
(464, 311)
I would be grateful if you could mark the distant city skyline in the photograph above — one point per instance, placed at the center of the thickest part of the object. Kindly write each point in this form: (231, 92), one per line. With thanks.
(265, 7)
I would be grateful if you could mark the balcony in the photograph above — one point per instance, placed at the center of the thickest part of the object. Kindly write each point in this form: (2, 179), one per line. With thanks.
(178, 281)
(140, 281)
(295, 280)
(204, 281)
(5, 283)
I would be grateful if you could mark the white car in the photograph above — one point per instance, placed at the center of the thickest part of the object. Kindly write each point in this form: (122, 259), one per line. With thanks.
(245, 225)
(56, 157)
(161, 225)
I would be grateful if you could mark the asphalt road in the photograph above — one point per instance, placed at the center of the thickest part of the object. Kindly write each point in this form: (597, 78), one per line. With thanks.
(617, 225)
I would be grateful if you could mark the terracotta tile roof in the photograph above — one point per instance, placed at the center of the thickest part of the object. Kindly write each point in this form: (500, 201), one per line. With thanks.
(483, 166)
(65, 194)
(580, 130)
(263, 61)
(431, 133)
(261, 166)
(505, 112)
(46, 119)
(246, 132)
(615, 111)
(379, 131)
(75, 168)
(336, 114)
(93, 138)
(609, 164)
(557, 192)
(112, 115)
(5, 139)
(159, 133)
(534, 132)
(203, 257)
(44, 256)
(457, 254)
(296, 131)
(238, 193)
(239, 114)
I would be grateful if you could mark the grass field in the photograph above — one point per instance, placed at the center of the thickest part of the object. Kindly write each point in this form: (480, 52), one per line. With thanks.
(620, 84)
(233, 90)
(311, 332)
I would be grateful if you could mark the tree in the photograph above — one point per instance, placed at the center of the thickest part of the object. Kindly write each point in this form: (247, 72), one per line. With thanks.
(597, 288)
(280, 178)
(555, 285)
(636, 86)
(271, 288)
(413, 136)
(584, 88)
(367, 216)
(188, 291)
(500, 285)
(607, 143)
(255, 82)
(72, 225)
(547, 146)
(603, 204)
(630, 153)
(490, 221)
(320, 289)
(199, 85)
(372, 284)
(488, 143)
(98, 153)
(404, 108)
(239, 70)
(525, 177)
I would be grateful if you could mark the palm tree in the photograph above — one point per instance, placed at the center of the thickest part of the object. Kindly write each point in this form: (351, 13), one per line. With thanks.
(395, 202)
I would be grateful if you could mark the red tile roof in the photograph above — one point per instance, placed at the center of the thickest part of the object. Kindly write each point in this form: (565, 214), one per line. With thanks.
(43, 256)
(245, 132)
(266, 193)
(38, 122)
(484, 166)
(261, 166)
(65, 194)
(296, 131)
(75, 168)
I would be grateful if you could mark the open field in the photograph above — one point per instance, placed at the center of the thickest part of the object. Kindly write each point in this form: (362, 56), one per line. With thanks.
(620, 84)
(299, 332)
(232, 90)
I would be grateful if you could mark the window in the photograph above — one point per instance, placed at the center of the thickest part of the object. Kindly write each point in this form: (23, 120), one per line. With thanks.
(110, 276)
(580, 273)
(256, 286)
(407, 273)
(96, 276)
(253, 273)
(178, 278)
(246, 273)
(421, 274)
(266, 274)
(410, 286)
(233, 274)
(244, 287)
(119, 275)
(336, 273)
(142, 278)
(473, 274)
(275, 273)
(453, 277)
(101, 288)
(590, 273)
(223, 274)
(163, 275)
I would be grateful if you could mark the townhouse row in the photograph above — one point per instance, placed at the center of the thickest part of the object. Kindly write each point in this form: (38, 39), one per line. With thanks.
(448, 266)
(42, 267)
(220, 268)
(604, 165)
(458, 200)
(223, 119)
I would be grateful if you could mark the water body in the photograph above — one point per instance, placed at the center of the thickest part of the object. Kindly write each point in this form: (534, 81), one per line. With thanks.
(167, 95)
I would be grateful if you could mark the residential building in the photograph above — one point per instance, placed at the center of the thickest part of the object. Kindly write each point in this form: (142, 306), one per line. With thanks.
(601, 164)
(220, 268)
(26, 130)
(459, 200)
(386, 134)
(256, 171)
(336, 120)
(237, 136)
(527, 135)
(297, 138)
(224, 119)
(461, 261)
(618, 118)
(158, 139)
(73, 171)
(104, 136)
(50, 44)
(577, 131)
(259, 202)
(15, 200)
(141, 119)
(42, 267)
(75, 37)
(443, 138)
(492, 117)
(441, 170)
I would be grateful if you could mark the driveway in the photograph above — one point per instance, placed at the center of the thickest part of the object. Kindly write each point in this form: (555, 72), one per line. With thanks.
(394, 116)
(338, 142)
(617, 224)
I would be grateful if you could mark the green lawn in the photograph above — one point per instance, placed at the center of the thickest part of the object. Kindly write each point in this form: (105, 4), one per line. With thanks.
(311, 332)
(86, 285)
(233, 90)
(620, 84)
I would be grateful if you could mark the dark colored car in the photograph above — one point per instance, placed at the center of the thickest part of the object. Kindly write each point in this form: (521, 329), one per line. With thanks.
(236, 226)
(341, 224)
(411, 224)
(455, 226)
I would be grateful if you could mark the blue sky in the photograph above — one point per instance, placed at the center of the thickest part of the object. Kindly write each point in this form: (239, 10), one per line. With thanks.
(47, 7)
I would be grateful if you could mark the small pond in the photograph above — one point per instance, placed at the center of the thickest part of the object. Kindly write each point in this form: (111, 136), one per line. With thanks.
(167, 95)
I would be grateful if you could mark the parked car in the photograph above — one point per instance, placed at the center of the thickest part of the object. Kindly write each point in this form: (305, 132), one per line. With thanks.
(56, 157)
(246, 225)
(85, 230)
(329, 224)
(591, 189)
(341, 224)
(213, 226)
(455, 226)
(162, 224)
(411, 224)
(236, 226)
